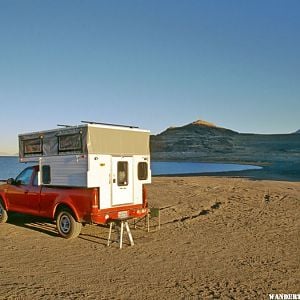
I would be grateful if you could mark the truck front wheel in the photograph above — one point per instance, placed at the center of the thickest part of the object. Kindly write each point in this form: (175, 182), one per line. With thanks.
(3, 213)
(66, 225)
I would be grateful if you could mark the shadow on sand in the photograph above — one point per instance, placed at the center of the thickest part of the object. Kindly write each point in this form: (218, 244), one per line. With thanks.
(38, 224)
(48, 227)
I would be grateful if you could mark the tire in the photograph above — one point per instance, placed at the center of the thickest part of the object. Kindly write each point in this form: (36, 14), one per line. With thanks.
(66, 225)
(3, 213)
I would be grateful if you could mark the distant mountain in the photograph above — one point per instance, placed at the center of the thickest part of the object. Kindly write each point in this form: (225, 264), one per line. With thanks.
(4, 154)
(204, 141)
(298, 131)
(8, 154)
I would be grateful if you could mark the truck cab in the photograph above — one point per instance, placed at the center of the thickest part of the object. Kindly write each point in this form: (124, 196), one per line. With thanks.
(23, 193)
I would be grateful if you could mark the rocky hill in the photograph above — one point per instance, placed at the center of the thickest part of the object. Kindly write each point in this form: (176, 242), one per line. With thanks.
(4, 154)
(203, 141)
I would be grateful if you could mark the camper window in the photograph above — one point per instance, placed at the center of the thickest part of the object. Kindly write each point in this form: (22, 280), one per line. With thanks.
(122, 173)
(142, 170)
(46, 175)
(70, 143)
(33, 146)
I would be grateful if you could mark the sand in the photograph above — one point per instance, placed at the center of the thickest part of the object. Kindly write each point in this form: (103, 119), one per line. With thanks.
(219, 239)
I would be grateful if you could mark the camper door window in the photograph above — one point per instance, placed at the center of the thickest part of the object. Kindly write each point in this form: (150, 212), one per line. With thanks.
(122, 173)
(33, 146)
(70, 143)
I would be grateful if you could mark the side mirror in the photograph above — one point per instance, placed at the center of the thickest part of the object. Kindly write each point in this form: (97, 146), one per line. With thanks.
(10, 181)
(17, 182)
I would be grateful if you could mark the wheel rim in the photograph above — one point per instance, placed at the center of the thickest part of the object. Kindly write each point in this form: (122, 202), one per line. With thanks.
(65, 224)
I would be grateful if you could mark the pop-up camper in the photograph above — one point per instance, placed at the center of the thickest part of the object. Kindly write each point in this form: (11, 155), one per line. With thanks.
(91, 173)
(113, 158)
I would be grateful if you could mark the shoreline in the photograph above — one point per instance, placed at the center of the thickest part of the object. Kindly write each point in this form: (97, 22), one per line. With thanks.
(278, 171)
(262, 174)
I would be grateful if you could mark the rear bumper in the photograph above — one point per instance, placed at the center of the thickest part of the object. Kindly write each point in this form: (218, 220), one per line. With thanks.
(103, 216)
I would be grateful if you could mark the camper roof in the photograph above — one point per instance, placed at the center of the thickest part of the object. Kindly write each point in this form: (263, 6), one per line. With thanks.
(85, 139)
(88, 124)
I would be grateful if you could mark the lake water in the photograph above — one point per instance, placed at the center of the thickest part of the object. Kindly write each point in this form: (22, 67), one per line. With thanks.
(171, 168)
(11, 167)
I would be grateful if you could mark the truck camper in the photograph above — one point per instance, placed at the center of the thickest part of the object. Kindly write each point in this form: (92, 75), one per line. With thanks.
(90, 173)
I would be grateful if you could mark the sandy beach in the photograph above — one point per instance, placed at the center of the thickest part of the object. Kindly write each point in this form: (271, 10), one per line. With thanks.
(220, 238)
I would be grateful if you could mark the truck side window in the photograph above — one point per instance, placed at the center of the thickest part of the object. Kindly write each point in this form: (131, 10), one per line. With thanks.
(142, 170)
(35, 179)
(46, 174)
(122, 173)
(25, 177)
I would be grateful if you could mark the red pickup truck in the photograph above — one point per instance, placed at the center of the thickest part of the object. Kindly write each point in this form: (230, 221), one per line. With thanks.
(69, 206)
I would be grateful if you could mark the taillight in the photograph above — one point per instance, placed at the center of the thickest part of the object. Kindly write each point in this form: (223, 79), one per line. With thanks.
(145, 200)
(95, 198)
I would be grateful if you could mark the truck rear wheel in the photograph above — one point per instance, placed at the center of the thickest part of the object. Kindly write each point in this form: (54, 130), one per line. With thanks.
(66, 225)
(3, 213)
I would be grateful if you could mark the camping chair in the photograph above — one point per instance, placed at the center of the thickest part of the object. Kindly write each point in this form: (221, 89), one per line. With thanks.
(153, 214)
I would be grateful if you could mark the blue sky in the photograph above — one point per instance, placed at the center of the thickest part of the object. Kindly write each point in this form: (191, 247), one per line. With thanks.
(153, 64)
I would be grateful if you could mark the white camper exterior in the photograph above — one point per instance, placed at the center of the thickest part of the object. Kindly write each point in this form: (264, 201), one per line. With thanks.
(115, 159)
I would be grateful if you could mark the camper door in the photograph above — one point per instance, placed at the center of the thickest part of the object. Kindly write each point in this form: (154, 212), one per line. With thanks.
(122, 180)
